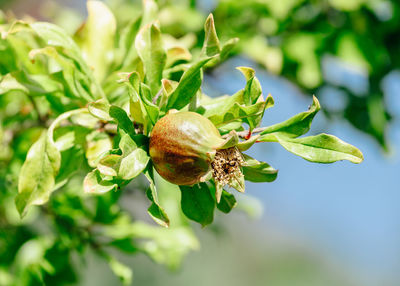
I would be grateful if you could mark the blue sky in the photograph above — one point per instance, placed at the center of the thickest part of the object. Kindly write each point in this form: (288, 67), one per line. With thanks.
(346, 211)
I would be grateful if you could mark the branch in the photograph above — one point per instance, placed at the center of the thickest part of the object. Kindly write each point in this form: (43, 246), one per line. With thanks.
(246, 134)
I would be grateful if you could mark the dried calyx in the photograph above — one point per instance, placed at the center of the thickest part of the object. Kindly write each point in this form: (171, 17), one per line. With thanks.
(227, 169)
(186, 149)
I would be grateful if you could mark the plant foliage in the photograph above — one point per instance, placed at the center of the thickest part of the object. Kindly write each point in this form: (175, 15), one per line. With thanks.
(76, 113)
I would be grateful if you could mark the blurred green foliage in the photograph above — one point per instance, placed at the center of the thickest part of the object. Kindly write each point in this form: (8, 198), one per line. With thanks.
(294, 38)
(48, 77)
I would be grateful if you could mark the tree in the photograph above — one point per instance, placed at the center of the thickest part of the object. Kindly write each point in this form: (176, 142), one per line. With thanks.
(79, 115)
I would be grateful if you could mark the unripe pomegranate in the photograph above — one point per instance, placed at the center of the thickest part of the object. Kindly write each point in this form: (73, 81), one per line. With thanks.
(186, 148)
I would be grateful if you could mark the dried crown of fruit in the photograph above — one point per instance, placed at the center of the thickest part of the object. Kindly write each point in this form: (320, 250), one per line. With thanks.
(186, 148)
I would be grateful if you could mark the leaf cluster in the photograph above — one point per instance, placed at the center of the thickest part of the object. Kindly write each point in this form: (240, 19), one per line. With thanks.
(77, 112)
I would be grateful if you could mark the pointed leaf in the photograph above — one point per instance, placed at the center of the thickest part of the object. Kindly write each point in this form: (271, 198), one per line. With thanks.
(122, 119)
(37, 175)
(211, 45)
(295, 126)
(98, 37)
(197, 203)
(188, 86)
(149, 46)
(322, 148)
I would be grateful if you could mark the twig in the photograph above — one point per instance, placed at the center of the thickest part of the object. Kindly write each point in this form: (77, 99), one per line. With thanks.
(245, 133)
(157, 96)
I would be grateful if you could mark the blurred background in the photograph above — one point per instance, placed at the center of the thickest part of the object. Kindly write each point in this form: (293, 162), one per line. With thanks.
(316, 224)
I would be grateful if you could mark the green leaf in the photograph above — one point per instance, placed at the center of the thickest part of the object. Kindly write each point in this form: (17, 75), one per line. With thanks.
(156, 212)
(255, 171)
(150, 12)
(252, 91)
(96, 148)
(227, 202)
(295, 126)
(211, 45)
(109, 165)
(227, 48)
(151, 109)
(37, 175)
(134, 159)
(56, 37)
(127, 144)
(133, 164)
(122, 119)
(245, 145)
(149, 46)
(95, 184)
(77, 84)
(100, 109)
(97, 38)
(9, 83)
(188, 85)
(177, 54)
(230, 141)
(123, 272)
(322, 148)
(127, 52)
(197, 203)
(39, 84)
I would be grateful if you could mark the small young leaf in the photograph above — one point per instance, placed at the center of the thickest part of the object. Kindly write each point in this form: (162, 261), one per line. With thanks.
(188, 86)
(96, 149)
(37, 176)
(227, 202)
(245, 145)
(295, 126)
(122, 119)
(151, 109)
(197, 203)
(211, 45)
(109, 165)
(127, 144)
(133, 164)
(255, 171)
(94, 183)
(100, 109)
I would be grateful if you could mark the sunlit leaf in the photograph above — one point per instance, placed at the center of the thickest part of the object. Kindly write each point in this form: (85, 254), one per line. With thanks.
(97, 38)
(95, 184)
(149, 46)
(296, 125)
(37, 176)
(188, 86)
(255, 171)
(322, 148)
